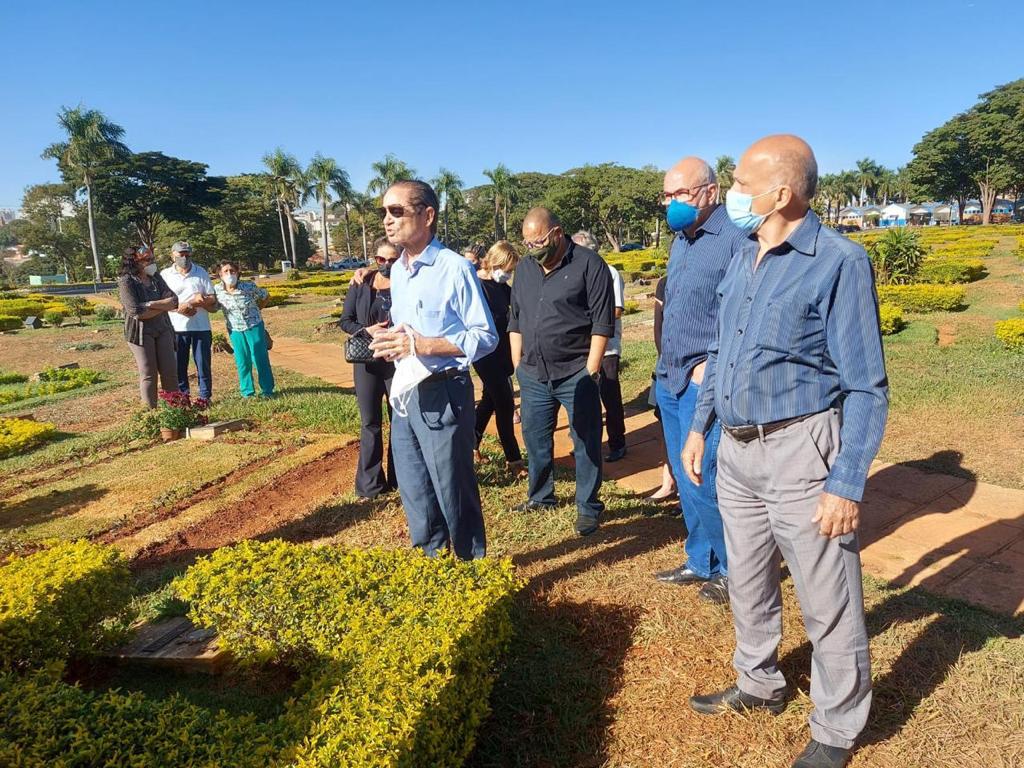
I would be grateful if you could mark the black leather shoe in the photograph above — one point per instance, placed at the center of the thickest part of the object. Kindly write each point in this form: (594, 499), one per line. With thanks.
(818, 755)
(615, 455)
(715, 590)
(680, 575)
(736, 700)
(533, 506)
(586, 525)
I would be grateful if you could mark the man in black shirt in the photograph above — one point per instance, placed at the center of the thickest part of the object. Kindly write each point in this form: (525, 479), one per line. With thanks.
(561, 317)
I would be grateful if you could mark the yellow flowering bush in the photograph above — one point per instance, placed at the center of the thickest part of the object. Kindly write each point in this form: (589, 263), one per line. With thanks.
(9, 322)
(890, 319)
(52, 602)
(948, 271)
(21, 308)
(51, 381)
(1011, 333)
(921, 297)
(18, 435)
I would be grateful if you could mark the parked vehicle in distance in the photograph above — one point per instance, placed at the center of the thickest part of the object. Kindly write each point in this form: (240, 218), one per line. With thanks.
(631, 247)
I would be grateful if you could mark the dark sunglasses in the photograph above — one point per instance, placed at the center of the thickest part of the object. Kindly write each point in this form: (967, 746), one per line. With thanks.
(398, 211)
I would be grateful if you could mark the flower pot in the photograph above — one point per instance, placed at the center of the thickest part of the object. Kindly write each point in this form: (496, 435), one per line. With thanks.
(167, 435)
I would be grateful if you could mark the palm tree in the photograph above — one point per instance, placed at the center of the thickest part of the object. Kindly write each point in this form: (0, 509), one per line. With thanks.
(364, 205)
(867, 174)
(448, 187)
(324, 176)
(92, 140)
(503, 189)
(295, 187)
(887, 185)
(724, 167)
(387, 172)
(282, 168)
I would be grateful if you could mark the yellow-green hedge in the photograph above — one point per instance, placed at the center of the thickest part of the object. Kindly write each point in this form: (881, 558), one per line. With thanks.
(401, 647)
(18, 435)
(922, 297)
(51, 381)
(948, 271)
(10, 322)
(21, 308)
(52, 602)
(1011, 333)
(890, 319)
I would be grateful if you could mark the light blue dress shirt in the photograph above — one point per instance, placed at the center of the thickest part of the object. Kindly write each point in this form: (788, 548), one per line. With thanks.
(439, 295)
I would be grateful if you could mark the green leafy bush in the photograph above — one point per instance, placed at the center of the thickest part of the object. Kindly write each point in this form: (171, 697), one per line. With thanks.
(10, 322)
(21, 308)
(10, 377)
(53, 317)
(890, 319)
(51, 381)
(951, 271)
(18, 435)
(896, 256)
(400, 647)
(922, 297)
(52, 602)
(1011, 333)
(105, 312)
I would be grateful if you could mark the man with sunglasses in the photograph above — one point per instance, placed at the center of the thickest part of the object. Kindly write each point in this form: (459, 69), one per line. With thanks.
(701, 251)
(561, 318)
(440, 318)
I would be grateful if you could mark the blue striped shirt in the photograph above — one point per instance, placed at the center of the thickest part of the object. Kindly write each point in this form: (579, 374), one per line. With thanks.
(796, 336)
(690, 319)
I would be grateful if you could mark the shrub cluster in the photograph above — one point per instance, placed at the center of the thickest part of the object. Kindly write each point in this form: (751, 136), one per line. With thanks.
(52, 602)
(105, 312)
(1011, 333)
(21, 308)
(53, 317)
(890, 319)
(51, 381)
(19, 435)
(923, 298)
(9, 377)
(400, 647)
(9, 322)
(945, 271)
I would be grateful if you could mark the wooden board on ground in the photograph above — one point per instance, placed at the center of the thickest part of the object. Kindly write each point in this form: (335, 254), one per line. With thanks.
(215, 428)
(176, 644)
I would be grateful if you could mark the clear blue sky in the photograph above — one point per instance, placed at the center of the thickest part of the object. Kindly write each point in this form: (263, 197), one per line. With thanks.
(537, 85)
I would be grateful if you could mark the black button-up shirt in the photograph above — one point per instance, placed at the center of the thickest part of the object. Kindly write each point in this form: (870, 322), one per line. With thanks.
(557, 313)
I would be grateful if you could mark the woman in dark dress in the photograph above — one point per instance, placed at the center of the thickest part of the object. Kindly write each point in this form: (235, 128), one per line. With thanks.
(367, 306)
(146, 300)
(495, 369)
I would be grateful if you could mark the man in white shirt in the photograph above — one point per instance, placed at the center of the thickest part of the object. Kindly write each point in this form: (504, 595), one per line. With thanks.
(191, 320)
(611, 390)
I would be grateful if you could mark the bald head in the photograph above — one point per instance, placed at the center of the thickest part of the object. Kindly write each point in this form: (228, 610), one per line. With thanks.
(538, 221)
(782, 160)
(689, 173)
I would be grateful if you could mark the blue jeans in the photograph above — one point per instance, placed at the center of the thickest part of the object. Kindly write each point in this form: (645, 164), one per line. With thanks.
(433, 449)
(199, 344)
(705, 539)
(580, 396)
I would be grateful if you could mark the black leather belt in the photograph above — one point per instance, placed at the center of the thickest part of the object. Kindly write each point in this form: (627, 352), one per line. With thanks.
(753, 431)
(447, 373)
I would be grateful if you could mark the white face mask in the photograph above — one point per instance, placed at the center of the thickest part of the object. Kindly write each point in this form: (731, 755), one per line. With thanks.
(409, 372)
(500, 276)
(150, 269)
(230, 280)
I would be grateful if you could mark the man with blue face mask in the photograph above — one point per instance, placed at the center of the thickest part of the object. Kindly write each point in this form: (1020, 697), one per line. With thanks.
(701, 251)
(796, 378)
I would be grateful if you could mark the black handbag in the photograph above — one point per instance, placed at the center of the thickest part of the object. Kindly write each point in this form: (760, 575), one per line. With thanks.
(357, 348)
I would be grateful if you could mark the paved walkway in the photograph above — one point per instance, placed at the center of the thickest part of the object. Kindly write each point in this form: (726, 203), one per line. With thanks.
(951, 535)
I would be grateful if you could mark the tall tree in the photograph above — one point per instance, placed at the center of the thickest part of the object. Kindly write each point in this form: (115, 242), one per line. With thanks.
(45, 229)
(91, 140)
(724, 167)
(448, 187)
(867, 174)
(283, 168)
(147, 189)
(386, 172)
(503, 190)
(325, 177)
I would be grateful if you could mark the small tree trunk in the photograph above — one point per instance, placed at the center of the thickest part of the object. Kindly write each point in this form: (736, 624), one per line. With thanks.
(284, 241)
(292, 228)
(327, 253)
(348, 237)
(98, 272)
(362, 223)
(657, 232)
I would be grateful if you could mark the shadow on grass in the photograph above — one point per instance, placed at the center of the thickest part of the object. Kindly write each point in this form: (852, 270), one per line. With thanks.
(40, 509)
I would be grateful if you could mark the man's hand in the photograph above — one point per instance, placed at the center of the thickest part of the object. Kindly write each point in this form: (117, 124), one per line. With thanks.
(693, 457)
(392, 344)
(188, 310)
(359, 276)
(836, 516)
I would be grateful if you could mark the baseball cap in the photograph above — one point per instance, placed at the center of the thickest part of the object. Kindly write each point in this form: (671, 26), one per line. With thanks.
(181, 247)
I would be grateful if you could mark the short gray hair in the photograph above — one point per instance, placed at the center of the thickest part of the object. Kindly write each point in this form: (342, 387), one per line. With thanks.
(586, 239)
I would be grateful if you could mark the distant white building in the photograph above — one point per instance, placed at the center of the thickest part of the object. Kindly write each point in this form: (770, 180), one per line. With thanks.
(894, 215)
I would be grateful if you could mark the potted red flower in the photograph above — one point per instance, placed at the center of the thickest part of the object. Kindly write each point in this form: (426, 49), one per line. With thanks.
(177, 412)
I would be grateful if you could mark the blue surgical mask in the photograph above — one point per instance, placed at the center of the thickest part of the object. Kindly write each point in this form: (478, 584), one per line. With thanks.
(680, 215)
(739, 207)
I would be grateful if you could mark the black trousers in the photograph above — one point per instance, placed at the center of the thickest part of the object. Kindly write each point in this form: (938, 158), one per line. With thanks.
(499, 400)
(373, 383)
(611, 398)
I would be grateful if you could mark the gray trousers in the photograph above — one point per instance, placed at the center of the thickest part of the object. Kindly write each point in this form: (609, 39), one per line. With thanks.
(768, 492)
(156, 354)
(433, 449)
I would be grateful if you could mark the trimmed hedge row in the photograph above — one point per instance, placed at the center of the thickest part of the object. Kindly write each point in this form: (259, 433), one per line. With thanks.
(945, 271)
(51, 381)
(52, 602)
(401, 647)
(10, 322)
(18, 435)
(12, 378)
(21, 308)
(1011, 333)
(921, 297)
(890, 319)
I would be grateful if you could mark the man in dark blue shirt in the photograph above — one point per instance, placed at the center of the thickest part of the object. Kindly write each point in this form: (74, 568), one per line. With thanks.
(704, 244)
(797, 381)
